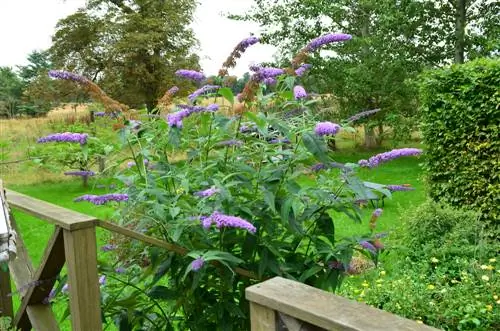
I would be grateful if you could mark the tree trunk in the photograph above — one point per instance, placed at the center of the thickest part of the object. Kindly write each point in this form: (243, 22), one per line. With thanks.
(460, 21)
(370, 138)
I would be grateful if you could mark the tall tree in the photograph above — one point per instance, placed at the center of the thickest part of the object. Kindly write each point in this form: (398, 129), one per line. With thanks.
(130, 47)
(11, 88)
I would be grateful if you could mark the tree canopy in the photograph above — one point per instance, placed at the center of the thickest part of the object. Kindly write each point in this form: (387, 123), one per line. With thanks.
(130, 47)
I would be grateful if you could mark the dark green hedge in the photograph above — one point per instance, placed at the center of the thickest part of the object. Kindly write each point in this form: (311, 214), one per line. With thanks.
(461, 128)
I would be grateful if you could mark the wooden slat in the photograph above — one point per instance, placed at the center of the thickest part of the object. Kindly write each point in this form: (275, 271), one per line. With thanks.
(84, 296)
(324, 309)
(42, 316)
(262, 318)
(51, 265)
(5, 295)
(65, 218)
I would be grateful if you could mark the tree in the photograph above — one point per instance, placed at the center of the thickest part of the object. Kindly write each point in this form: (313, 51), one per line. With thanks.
(11, 88)
(38, 61)
(130, 47)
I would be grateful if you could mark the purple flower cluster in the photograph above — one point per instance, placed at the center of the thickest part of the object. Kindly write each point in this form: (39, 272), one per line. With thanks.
(197, 264)
(264, 73)
(326, 128)
(248, 128)
(394, 188)
(387, 156)
(232, 142)
(66, 75)
(202, 90)
(100, 113)
(226, 221)
(299, 92)
(102, 199)
(302, 69)
(255, 67)
(108, 248)
(247, 42)
(133, 164)
(65, 137)
(362, 114)
(327, 39)
(81, 173)
(102, 280)
(190, 74)
(207, 193)
(270, 81)
(175, 119)
(369, 246)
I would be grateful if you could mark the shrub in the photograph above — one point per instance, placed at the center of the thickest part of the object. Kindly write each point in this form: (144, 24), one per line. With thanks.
(461, 128)
(449, 278)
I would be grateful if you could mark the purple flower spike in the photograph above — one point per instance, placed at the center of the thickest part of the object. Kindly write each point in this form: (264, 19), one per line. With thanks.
(362, 115)
(255, 67)
(108, 248)
(197, 264)
(207, 193)
(366, 245)
(80, 173)
(223, 221)
(202, 90)
(377, 212)
(206, 222)
(120, 270)
(326, 128)
(100, 113)
(102, 280)
(175, 119)
(247, 42)
(65, 137)
(231, 142)
(302, 69)
(173, 90)
(66, 75)
(327, 39)
(190, 74)
(299, 92)
(102, 199)
(279, 141)
(388, 156)
(264, 73)
(213, 107)
(394, 188)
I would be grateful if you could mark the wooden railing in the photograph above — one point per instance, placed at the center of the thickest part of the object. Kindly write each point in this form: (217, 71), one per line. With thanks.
(281, 304)
(276, 304)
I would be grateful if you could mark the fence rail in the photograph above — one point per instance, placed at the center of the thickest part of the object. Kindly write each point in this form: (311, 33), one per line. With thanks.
(275, 304)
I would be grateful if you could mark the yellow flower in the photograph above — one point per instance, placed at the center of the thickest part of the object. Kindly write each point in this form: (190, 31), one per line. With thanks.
(431, 287)
(493, 260)
(365, 284)
(382, 273)
(434, 260)
(490, 267)
(485, 278)
(489, 307)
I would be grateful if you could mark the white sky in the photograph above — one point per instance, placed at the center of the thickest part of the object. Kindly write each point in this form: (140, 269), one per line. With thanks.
(27, 25)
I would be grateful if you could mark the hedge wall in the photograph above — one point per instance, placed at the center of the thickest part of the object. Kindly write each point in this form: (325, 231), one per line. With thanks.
(461, 128)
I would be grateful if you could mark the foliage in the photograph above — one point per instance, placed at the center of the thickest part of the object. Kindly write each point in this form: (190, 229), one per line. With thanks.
(449, 278)
(10, 91)
(461, 121)
(132, 47)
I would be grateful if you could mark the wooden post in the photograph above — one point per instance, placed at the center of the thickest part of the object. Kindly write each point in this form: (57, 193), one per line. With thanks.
(5, 294)
(262, 318)
(84, 296)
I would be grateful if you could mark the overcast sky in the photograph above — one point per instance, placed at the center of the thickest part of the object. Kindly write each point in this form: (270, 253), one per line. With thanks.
(27, 25)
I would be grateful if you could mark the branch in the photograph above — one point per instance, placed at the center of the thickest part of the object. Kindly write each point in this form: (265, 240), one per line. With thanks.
(119, 3)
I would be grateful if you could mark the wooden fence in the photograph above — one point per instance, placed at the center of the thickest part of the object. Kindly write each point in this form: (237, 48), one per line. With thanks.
(276, 304)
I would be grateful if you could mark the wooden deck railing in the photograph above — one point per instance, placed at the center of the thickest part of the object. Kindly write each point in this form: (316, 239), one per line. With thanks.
(276, 304)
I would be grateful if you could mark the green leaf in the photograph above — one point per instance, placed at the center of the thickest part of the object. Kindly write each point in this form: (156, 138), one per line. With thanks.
(269, 198)
(162, 293)
(227, 93)
(310, 272)
(316, 146)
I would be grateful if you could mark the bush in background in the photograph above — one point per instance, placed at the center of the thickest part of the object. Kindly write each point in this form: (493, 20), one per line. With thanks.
(461, 128)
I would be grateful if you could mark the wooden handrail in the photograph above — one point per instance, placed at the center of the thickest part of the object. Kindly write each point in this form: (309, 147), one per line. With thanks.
(303, 303)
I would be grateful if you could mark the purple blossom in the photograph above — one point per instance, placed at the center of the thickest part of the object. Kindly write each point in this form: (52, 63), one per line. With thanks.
(202, 90)
(206, 221)
(102, 280)
(279, 141)
(367, 245)
(299, 92)
(100, 113)
(190, 74)
(255, 67)
(197, 264)
(207, 193)
(52, 295)
(270, 81)
(247, 42)
(65, 288)
(120, 270)
(213, 107)
(102, 199)
(232, 142)
(302, 69)
(65, 137)
(264, 73)
(337, 265)
(326, 39)
(377, 212)
(81, 173)
(362, 114)
(108, 248)
(223, 221)
(175, 119)
(133, 164)
(66, 75)
(247, 128)
(326, 128)
(173, 90)
(387, 156)
(394, 188)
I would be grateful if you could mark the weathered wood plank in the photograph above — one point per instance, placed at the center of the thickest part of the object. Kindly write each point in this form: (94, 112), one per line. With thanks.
(5, 296)
(45, 277)
(65, 218)
(262, 318)
(324, 309)
(84, 296)
(22, 273)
